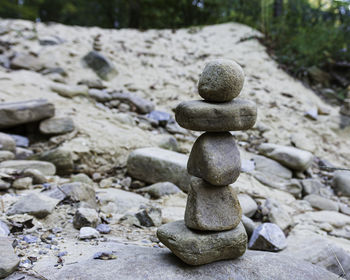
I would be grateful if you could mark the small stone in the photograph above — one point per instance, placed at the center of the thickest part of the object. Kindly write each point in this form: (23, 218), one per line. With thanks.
(36, 175)
(249, 225)
(21, 141)
(321, 203)
(107, 183)
(100, 95)
(85, 217)
(103, 228)
(46, 168)
(6, 155)
(22, 153)
(92, 83)
(167, 142)
(160, 118)
(200, 115)
(160, 189)
(215, 158)
(4, 229)
(38, 205)
(50, 40)
(311, 186)
(221, 81)
(8, 259)
(22, 183)
(101, 65)
(7, 143)
(341, 182)
(88, 233)
(62, 158)
(81, 177)
(211, 207)
(277, 214)
(343, 208)
(268, 237)
(266, 165)
(30, 239)
(57, 125)
(150, 217)
(291, 157)
(69, 91)
(4, 185)
(248, 205)
(197, 248)
(141, 105)
(105, 256)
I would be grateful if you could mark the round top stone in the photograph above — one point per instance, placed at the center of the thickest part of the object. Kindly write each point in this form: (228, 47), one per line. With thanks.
(221, 81)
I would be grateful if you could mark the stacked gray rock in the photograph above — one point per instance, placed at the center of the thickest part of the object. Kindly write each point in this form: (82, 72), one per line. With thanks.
(212, 229)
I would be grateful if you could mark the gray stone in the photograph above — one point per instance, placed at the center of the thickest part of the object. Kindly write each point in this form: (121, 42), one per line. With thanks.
(221, 81)
(141, 105)
(6, 155)
(76, 192)
(321, 203)
(81, 177)
(291, 157)
(7, 143)
(16, 113)
(341, 182)
(200, 115)
(155, 264)
(4, 185)
(158, 190)
(100, 65)
(21, 141)
(159, 118)
(46, 168)
(103, 228)
(68, 90)
(4, 229)
(277, 214)
(249, 225)
(211, 207)
(8, 259)
(343, 208)
(268, 237)
(85, 217)
(153, 165)
(36, 175)
(92, 83)
(167, 142)
(266, 165)
(50, 40)
(37, 205)
(311, 186)
(88, 233)
(248, 204)
(150, 217)
(22, 153)
(215, 158)
(22, 183)
(60, 157)
(197, 247)
(27, 61)
(57, 125)
(100, 95)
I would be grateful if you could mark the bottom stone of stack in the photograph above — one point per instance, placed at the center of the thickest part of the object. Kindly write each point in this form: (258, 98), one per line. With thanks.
(199, 247)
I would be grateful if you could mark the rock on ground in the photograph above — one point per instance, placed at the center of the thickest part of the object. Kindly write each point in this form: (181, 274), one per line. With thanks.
(57, 125)
(158, 190)
(341, 182)
(268, 237)
(8, 260)
(46, 168)
(7, 143)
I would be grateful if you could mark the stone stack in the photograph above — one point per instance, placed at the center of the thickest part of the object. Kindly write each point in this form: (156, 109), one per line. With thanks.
(212, 229)
(97, 45)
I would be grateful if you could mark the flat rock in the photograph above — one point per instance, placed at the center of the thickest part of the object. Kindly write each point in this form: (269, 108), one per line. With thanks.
(211, 207)
(37, 205)
(141, 105)
(16, 113)
(197, 247)
(215, 158)
(85, 217)
(68, 90)
(291, 157)
(221, 81)
(341, 182)
(57, 125)
(267, 165)
(8, 259)
(7, 143)
(268, 237)
(153, 165)
(321, 203)
(158, 190)
(248, 204)
(101, 65)
(155, 263)
(200, 115)
(46, 168)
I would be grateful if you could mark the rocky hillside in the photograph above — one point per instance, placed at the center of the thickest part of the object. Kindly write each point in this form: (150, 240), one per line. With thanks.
(91, 157)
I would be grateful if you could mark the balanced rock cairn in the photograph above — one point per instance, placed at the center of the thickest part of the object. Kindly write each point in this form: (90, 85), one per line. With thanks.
(212, 229)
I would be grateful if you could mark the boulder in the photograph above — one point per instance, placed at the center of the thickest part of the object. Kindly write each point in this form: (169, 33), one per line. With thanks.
(8, 259)
(212, 208)
(153, 165)
(198, 247)
(291, 157)
(200, 115)
(341, 182)
(215, 158)
(37, 205)
(16, 113)
(7, 143)
(141, 105)
(46, 168)
(268, 237)
(158, 190)
(221, 81)
(56, 125)
(100, 65)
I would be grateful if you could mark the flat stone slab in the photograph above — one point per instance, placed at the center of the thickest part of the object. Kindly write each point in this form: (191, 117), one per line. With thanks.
(153, 165)
(212, 208)
(140, 263)
(200, 115)
(16, 113)
(46, 168)
(215, 158)
(200, 247)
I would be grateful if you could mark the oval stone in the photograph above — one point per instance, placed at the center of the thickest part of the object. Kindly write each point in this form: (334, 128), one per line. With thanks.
(200, 115)
(221, 81)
